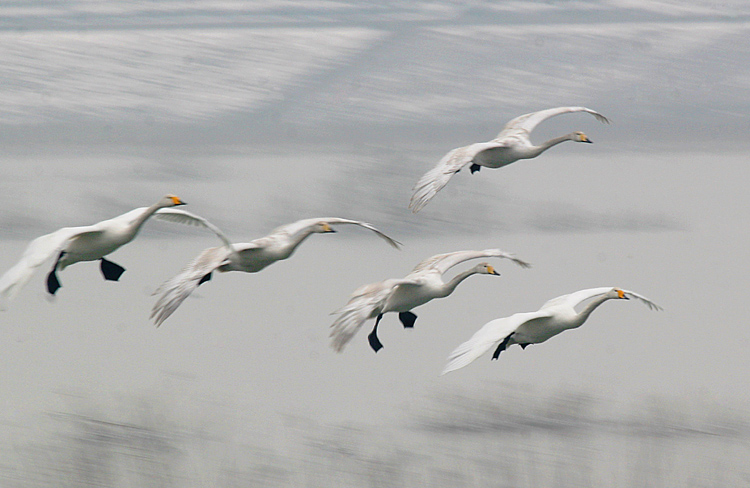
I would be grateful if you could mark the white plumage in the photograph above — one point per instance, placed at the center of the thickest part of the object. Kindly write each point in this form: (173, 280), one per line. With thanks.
(555, 316)
(511, 144)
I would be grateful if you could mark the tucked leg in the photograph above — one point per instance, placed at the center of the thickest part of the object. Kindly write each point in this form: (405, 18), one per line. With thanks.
(373, 337)
(204, 279)
(408, 319)
(503, 345)
(53, 284)
(110, 270)
(474, 168)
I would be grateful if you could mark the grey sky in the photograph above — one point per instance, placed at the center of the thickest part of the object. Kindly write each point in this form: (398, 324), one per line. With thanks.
(258, 116)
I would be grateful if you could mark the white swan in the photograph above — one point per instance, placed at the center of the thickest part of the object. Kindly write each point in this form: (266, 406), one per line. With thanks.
(424, 283)
(249, 257)
(511, 144)
(74, 244)
(555, 316)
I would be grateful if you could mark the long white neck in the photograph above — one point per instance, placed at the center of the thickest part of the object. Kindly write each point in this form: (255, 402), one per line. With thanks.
(552, 142)
(448, 287)
(137, 223)
(296, 239)
(590, 307)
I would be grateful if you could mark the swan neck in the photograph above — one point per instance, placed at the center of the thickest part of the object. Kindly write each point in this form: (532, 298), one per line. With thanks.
(591, 306)
(296, 239)
(453, 283)
(137, 223)
(552, 142)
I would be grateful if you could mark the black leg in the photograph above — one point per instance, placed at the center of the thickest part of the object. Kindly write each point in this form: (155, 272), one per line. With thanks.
(53, 284)
(524, 346)
(503, 345)
(408, 319)
(474, 168)
(110, 270)
(204, 279)
(373, 337)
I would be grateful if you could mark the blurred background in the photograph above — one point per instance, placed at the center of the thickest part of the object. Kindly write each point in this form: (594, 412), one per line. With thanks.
(261, 113)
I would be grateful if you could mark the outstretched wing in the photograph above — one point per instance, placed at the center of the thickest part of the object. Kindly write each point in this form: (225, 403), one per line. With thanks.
(651, 305)
(175, 290)
(183, 217)
(36, 253)
(434, 180)
(336, 221)
(366, 302)
(443, 262)
(489, 336)
(527, 122)
(305, 224)
(578, 297)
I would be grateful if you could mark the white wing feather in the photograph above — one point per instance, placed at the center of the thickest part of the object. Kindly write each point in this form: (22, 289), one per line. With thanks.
(366, 302)
(443, 262)
(527, 122)
(187, 218)
(36, 253)
(490, 335)
(175, 290)
(434, 180)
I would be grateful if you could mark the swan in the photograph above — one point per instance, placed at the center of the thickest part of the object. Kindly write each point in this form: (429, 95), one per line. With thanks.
(423, 284)
(510, 145)
(87, 243)
(249, 257)
(527, 328)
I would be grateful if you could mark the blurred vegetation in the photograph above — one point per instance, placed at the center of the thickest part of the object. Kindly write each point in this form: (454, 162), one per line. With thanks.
(498, 438)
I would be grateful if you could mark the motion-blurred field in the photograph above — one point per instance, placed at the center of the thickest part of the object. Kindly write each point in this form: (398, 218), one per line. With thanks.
(500, 437)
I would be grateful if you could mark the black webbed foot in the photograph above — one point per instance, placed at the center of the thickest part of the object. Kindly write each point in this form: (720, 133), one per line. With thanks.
(375, 343)
(408, 319)
(53, 284)
(474, 168)
(110, 270)
(204, 279)
(503, 345)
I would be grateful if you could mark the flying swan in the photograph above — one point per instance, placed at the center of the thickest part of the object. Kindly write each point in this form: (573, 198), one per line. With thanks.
(88, 243)
(249, 257)
(424, 283)
(510, 145)
(555, 316)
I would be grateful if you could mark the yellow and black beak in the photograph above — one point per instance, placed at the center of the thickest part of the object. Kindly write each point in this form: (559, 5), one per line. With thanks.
(585, 138)
(328, 228)
(621, 295)
(177, 201)
(491, 270)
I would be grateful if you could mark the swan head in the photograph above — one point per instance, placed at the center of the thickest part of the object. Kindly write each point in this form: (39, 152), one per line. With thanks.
(581, 137)
(619, 294)
(486, 268)
(323, 228)
(171, 201)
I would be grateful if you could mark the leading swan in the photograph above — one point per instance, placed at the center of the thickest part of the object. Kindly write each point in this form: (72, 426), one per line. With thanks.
(510, 145)
(555, 316)
(74, 244)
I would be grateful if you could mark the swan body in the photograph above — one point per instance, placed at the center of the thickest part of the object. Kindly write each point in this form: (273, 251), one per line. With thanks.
(249, 257)
(423, 284)
(510, 145)
(75, 244)
(555, 316)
